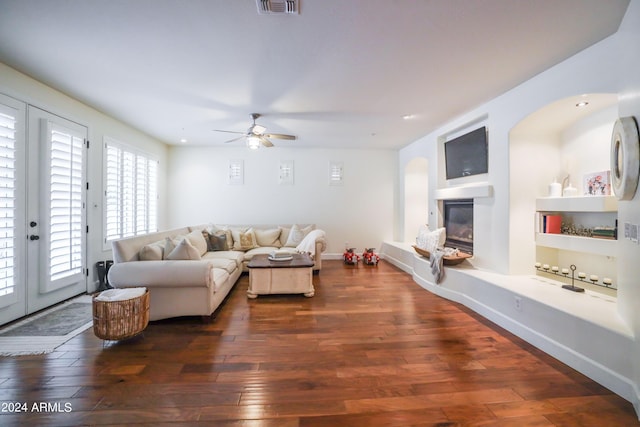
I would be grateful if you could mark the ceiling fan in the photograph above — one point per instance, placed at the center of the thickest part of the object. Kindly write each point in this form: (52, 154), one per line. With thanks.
(255, 135)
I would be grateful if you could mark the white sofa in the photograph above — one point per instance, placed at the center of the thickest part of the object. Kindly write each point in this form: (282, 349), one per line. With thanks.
(188, 275)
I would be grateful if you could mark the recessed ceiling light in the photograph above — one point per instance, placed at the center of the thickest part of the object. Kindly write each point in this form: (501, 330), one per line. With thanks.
(582, 104)
(183, 140)
(408, 116)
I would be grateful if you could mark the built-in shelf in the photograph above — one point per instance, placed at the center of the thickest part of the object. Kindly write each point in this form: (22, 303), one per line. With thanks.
(464, 192)
(577, 204)
(587, 205)
(606, 247)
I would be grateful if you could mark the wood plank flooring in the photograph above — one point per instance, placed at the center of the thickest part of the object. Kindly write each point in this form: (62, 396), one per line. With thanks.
(371, 348)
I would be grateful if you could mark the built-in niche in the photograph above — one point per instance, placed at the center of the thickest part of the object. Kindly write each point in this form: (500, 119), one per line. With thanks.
(416, 197)
(562, 142)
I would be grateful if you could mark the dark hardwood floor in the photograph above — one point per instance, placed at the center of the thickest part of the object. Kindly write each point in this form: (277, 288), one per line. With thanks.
(371, 348)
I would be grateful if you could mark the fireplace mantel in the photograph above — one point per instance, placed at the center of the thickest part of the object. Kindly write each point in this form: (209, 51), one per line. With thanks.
(465, 192)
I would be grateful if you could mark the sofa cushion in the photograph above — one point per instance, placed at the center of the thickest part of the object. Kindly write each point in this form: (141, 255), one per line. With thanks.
(152, 251)
(235, 256)
(229, 265)
(184, 250)
(270, 237)
(197, 241)
(243, 240)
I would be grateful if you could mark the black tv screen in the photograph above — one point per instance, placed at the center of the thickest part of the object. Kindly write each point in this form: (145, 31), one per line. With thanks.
(467, 155)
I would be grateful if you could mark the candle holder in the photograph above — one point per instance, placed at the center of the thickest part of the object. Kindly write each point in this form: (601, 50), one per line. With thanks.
(572, 286)
(581, 277)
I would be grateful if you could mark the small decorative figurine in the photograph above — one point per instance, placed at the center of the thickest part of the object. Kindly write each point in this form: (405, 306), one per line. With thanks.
(369, 257)
(350, 256)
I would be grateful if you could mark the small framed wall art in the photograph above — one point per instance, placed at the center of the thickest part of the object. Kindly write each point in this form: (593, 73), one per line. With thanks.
(286, 172)
(597, 184)
(236, 172)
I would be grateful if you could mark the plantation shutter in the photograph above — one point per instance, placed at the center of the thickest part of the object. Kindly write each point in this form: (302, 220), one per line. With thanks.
(8, 122)
(113, 186)
(131, 195)
(65, 210)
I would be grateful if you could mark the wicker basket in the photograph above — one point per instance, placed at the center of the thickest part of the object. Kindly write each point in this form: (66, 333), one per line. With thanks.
(119, 320)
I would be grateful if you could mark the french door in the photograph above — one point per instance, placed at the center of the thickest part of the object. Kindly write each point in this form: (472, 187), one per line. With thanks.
(42, 209)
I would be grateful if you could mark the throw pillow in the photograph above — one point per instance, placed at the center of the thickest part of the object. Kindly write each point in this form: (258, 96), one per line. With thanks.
(296, 234)
(286, 232)
(431, 240)
(152, 252)
(219, 241)
(184, 250)
(243, 240)
(169, 245)
(197, 241)
(269, 237)
(218, 230)
(207, 238)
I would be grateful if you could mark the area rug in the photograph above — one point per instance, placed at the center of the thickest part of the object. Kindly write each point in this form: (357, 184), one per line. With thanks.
(43, 332)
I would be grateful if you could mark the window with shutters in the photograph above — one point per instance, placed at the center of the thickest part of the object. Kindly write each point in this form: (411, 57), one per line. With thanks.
(131, 196)
(7, 200)
(65, 203)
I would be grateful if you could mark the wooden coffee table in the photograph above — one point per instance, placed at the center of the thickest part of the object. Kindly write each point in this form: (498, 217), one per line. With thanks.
(268, 277)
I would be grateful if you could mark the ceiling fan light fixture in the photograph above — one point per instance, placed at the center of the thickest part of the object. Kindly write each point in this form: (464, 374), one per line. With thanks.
(257, 129)
(253, 142)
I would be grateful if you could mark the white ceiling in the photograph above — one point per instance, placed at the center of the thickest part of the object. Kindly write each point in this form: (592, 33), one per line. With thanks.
(339, 74)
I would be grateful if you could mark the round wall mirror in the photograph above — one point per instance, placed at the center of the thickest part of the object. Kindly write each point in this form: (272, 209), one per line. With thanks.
(625, 158)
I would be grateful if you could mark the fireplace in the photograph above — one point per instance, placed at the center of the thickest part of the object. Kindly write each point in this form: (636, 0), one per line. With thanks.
(458, 220)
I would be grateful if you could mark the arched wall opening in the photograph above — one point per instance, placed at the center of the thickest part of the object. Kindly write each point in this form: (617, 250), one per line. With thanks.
(564, 143)
(416, 197)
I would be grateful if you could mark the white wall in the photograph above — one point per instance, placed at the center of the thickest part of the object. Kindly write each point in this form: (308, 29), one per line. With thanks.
(627, 65)
(593, 132)
(30, 91)
(609, 66)
(360, 211)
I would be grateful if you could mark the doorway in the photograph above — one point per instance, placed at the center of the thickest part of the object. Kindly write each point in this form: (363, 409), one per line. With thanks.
(42, 209)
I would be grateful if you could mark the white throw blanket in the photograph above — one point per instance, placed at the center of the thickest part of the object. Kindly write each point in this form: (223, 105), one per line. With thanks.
(308, 244)
(122, 294)
(436, 265)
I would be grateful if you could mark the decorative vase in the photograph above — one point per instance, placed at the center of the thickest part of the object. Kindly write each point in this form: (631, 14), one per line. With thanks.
(570, 191)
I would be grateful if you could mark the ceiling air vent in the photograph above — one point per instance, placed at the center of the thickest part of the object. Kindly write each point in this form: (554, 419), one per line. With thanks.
(277, 7)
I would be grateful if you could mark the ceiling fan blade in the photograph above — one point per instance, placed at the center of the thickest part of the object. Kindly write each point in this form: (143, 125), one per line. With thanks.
(234, 139)
(265, 141)
(280, 136)
(227, 131)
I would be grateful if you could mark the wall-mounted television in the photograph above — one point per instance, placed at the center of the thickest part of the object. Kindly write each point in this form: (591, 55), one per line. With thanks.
(467, 155)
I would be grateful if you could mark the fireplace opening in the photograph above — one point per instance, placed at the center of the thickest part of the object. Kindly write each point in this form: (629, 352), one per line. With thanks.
(458, 221)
